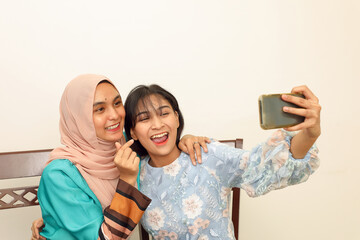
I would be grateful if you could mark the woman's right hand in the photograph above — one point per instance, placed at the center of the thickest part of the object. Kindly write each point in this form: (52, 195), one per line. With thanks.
(127, 161)
(36, 227)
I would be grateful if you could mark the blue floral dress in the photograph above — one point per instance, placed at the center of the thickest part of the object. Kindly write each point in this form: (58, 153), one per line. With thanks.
(191, 202)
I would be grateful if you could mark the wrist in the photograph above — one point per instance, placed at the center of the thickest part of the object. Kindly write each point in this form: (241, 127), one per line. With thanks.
(312, 134)
(130, 180)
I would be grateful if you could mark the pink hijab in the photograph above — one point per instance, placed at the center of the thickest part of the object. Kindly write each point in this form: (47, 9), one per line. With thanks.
(92, 156)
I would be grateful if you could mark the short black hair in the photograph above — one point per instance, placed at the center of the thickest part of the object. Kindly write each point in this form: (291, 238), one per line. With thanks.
(143, 93)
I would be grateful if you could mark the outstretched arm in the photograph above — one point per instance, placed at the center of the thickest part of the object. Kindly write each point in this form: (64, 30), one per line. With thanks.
(309, 129)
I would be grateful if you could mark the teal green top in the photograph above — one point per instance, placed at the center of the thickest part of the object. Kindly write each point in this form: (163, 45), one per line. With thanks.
(62, 187)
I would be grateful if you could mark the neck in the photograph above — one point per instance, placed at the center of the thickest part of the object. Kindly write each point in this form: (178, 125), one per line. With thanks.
(164, 160)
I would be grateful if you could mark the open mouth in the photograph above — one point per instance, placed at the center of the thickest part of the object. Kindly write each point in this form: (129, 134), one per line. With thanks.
(160, 138)
(113, 127)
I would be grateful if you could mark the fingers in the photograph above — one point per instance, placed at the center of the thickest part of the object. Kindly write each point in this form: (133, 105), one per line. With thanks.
(128, 144)
(127, 162)
(38, 223)
(192, 145)
(306, 92)
(137, 161)
(118, 146)
(311, 112)
(296, 127)
(124, 148)
(203, 142)
(132, 158)
(301, 102)
(192, 155)
(197, 148)
(35, 233)
(308, 109)
(297, 111)
(183, 147)
(129, 168)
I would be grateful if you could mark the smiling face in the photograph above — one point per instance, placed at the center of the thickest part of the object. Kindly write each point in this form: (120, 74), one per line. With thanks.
(108, 113)
(156, 129)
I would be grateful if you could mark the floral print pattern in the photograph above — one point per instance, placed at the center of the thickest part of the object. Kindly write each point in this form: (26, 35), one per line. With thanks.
(155, 218)
(172, 169)
(191, 202)
(192, 206)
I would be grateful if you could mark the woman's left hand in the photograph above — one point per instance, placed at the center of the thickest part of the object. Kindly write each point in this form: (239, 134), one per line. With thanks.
(309, 108)
(36, 227)
(192, 146)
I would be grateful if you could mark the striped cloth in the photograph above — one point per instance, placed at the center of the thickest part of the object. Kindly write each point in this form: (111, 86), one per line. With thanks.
(124, 213)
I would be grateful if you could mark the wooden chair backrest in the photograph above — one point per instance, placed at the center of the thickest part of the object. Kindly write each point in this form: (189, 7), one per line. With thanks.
(235, 211)
(21, 165)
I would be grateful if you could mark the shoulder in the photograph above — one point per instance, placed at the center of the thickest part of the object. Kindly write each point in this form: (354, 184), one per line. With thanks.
(216, 147)
(60, 169)
(62, 165)
(63, 177)
(223, 151)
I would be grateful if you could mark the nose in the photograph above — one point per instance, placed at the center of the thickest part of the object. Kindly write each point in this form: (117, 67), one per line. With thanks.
(113, 114)
(156, 122)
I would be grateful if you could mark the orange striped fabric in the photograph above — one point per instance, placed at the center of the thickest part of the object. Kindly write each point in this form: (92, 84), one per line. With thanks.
(124, 212)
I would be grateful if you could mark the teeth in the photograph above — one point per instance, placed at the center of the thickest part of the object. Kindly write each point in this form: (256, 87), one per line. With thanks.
(159, 135)
(113, 126)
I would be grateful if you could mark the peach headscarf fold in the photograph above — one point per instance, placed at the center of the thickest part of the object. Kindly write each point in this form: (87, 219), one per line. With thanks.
(93, 157)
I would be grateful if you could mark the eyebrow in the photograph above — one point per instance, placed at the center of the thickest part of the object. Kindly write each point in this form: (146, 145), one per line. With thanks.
(99, 103)
(147, 112)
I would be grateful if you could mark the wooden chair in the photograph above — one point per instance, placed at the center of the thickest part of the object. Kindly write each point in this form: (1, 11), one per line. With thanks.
(235, 211)
(21, 165)
(31, 163)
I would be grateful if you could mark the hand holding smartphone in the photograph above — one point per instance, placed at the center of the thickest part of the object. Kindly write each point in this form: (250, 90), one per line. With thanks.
(272, 114)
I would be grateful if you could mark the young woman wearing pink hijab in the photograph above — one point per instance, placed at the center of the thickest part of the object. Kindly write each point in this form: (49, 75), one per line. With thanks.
(87, 188)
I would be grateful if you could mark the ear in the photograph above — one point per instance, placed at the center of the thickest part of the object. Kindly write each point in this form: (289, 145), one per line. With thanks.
(177, 119)
(133, 135)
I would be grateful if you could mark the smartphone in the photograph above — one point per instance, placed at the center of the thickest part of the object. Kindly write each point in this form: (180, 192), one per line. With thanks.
(272, 114)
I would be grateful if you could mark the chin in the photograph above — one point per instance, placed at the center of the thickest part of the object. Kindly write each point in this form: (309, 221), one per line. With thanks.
(115, 137)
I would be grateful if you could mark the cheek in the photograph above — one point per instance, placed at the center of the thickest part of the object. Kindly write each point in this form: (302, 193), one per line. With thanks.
(140, 132)
(176, 122)
(121, 112)
(98, 123)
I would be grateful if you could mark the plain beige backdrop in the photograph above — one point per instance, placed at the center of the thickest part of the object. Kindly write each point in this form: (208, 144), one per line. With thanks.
(217, 57)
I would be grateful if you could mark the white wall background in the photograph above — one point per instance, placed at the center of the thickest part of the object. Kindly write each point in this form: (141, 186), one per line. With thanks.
(217, 57)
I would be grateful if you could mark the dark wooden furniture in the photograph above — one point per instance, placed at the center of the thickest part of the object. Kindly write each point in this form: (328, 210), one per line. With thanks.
(237, 143)
(21, 165)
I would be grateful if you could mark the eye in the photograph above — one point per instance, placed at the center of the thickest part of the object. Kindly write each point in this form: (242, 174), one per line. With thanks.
(142, 117)
(99, 109)
(118, 103)
(164, 113)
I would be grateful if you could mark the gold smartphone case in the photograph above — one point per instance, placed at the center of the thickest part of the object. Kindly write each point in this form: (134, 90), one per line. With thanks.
(272, 114)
